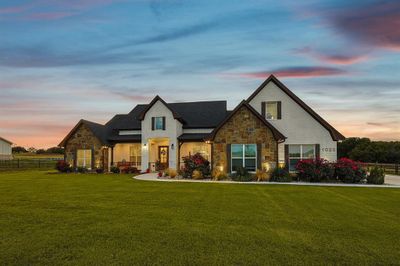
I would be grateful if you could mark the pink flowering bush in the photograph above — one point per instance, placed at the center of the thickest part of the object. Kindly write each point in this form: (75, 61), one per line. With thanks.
(195, 162)
(349, 171)
(315, 170)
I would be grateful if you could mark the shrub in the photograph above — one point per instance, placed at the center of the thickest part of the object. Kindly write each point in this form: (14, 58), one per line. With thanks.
(129, 170)
(197, 174)
(315, 170)
(63, 167)
(376, 175)
(195, 162)
(160, 174)
(114, 170)
(279, 174)
(99, 170)
(262, 175)
(218, 175)
(242, 175)
(349, 171)
(81, 169)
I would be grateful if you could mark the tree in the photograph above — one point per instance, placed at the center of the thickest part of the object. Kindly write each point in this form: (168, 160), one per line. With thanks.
(19, 149)
(40, 151)
(55, 150)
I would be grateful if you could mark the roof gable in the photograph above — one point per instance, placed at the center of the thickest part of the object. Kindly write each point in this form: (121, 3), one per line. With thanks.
(98, 130)
(275, 132)
(336, 135)
(3, 139)
(150, 105)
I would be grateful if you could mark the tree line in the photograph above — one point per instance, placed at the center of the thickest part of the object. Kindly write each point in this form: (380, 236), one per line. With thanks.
(52, 150)
(365, 150)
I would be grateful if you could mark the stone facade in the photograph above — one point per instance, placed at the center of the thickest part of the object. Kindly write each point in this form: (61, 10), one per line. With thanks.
(244, 128)
(83, 138)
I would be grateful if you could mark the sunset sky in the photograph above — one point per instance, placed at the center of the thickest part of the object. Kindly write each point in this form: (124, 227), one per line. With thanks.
(61, 61)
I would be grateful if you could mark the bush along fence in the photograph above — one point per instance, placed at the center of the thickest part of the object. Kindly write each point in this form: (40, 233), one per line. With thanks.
(42, 163)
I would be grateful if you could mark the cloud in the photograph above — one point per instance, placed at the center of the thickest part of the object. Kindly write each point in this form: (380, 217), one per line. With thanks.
(332, 58)
(296, 72)
(376, 24)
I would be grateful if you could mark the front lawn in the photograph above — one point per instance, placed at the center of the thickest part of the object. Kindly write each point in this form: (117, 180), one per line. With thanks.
(110, 219)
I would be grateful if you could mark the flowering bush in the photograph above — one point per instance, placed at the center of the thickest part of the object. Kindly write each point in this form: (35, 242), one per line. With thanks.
(349, 171)
(63, 167)
(315, 170)
(195, 162)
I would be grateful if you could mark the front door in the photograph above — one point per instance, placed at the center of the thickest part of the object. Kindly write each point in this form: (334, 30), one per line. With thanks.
(163, 157)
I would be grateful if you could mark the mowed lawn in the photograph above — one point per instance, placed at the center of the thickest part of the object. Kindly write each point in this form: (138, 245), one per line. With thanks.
(113, 219)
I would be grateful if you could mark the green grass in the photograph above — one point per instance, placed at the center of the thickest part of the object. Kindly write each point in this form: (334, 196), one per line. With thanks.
(37, 156)
(112, 219)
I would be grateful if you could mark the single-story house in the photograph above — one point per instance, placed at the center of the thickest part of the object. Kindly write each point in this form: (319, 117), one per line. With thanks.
(272, 127)
(5, 149)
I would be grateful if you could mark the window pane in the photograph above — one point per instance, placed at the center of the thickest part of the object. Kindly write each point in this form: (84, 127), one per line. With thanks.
(237, 150)
(308, 151)
(250, 150)
(292, 164)
(294, 151)
(272, 110)
(236, 163)
(88, 158)
(250, 164)
(158, 123)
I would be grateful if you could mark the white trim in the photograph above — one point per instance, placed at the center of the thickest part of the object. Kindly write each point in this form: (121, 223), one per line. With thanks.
(129, 132)
(197, 130)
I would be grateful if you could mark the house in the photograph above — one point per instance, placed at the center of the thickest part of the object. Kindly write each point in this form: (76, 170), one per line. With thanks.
(5, 149)
(272, 127)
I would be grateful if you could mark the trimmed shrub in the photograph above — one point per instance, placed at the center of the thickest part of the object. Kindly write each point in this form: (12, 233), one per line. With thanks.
(129, 170)
(349, 171)
(99, 170)
(172, 173)
(242, 175)
(376, 175)
(315, 170)
(197, 174)
(114, 170)
(262, 175)
(81, 170)
(63, 167)
(195, 162)
(218, 175)
(280, 175)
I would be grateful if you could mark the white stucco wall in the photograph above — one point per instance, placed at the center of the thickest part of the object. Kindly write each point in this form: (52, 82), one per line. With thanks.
(172, 130)
(5, 150)
(296, 124)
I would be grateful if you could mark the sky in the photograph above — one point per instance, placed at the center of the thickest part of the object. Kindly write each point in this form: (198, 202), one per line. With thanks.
(61, 61)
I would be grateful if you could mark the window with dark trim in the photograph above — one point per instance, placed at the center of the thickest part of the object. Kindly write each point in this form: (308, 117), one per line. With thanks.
(84, 158)
(271, 110)
(158, 123)
(299, 152)
(244, 155)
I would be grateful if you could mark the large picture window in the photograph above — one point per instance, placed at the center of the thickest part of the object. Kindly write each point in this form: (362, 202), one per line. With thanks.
(244, 155)
(84, 158)
(300, 152)
(135, 155)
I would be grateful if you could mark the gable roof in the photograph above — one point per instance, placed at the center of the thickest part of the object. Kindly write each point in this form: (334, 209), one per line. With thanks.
(97, 129)
(3, 139)
(156, 99)
(336, 135)
(278, 136)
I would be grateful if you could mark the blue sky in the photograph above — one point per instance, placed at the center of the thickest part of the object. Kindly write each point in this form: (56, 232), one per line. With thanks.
(61, 61)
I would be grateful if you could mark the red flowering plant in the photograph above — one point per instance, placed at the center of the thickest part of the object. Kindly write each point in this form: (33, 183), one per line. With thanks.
(349, 171)
(314, 170)
(195, 162)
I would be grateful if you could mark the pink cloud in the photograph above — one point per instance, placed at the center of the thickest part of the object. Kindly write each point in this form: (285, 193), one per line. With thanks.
(338, 59)
(296, 72)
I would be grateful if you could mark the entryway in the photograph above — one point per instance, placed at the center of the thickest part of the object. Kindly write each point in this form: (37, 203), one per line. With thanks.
(163, 157)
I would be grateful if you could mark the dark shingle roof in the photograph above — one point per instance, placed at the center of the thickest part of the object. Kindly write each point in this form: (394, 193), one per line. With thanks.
(193, 136)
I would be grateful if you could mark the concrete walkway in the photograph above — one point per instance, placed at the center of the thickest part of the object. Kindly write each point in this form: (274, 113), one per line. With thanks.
(154, 177)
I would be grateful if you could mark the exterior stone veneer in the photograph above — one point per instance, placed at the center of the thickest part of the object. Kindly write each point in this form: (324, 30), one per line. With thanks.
(244, 128)
(83, 138)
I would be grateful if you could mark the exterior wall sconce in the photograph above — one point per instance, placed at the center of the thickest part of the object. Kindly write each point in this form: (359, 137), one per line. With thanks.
(172, 146)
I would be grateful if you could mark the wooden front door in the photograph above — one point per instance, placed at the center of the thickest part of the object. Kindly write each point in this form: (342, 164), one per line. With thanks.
(163, 157)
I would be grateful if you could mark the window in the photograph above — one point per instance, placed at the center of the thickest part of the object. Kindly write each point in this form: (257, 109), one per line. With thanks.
(202, 149)
(244, 155)
(84, 158)
(158, 123)
(135, 156)
(271, 110)
(300, 152)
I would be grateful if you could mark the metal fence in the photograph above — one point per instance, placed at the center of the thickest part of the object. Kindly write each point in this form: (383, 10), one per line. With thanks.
(389, 168)
(42, 163)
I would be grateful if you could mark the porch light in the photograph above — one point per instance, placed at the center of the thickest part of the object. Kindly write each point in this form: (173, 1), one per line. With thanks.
(266, 166)
(220, 168)
(172, 146)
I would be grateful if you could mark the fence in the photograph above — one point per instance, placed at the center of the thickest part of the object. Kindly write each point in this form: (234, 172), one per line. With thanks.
(42, 163)
(389, 168)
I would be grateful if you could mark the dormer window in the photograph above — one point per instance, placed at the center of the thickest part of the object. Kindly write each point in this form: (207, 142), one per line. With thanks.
(271, 110)
(158, 123)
